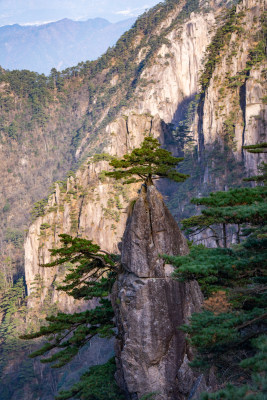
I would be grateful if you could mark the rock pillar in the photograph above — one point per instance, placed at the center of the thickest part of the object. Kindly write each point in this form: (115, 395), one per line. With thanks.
(152, 354)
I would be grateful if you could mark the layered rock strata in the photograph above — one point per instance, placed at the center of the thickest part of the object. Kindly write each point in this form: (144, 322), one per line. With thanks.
(152, 354)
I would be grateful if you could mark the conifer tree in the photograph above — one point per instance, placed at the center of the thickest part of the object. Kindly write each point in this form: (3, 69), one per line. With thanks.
(257, 149)
(234, 207)
(96, 384)
(146, 163)
(230, 332)
(92, 276)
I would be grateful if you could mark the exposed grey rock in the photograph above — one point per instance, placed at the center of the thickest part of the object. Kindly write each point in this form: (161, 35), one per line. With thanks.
(98, 216)
(150, 230)
(152, 354)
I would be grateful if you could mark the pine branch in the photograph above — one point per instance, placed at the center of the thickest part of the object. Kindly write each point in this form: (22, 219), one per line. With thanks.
(261, 317)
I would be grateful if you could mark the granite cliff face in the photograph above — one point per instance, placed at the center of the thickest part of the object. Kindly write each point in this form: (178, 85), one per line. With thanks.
(233, 101)
(164, 94)
(147, 82)
(152, 354)
(170, 83)
(89, 205)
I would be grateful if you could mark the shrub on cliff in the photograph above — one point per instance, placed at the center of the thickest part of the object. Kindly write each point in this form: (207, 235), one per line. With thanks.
(96, 384)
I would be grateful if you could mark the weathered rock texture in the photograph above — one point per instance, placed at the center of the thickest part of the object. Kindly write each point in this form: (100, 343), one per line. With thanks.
(110, 111)
(152, 355)
(89, 205)
(168, 85)
(231, 101)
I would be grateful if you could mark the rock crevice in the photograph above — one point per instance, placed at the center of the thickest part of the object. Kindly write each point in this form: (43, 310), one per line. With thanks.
(152, 355)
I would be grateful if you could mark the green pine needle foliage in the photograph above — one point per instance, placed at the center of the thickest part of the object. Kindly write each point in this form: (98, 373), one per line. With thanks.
(257, 389)
(93, 271)
(236, 206)
(147, 162)
(217, 269)
(230, 332)
(256, 149)
(96, 384)
(91, 277)
(233, 197)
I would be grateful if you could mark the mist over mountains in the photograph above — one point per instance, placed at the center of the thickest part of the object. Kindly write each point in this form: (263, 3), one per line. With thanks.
(59, 44)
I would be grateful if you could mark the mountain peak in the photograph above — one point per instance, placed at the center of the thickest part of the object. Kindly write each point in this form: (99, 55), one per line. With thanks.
(61, 43)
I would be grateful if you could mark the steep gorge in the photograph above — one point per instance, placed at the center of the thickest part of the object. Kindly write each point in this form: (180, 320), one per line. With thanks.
(126, 132)
(89, 200)
(108, 107)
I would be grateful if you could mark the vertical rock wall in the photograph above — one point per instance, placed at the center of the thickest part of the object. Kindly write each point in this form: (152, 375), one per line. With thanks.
(90, 206)
(171, 82)
(233, 103)
(152, 355)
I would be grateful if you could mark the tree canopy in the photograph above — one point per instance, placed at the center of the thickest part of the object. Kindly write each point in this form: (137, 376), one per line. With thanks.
(257, 149)
(145, 163)
(91, 277)
(230, 332)
(96, 384)
(234, 207)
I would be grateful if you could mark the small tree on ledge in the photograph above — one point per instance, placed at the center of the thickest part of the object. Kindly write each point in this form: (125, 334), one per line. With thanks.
(145, 163)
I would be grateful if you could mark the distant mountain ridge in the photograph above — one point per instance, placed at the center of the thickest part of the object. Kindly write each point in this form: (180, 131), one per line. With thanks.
(59, 44)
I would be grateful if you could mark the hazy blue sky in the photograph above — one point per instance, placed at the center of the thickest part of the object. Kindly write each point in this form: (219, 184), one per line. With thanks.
(42, 11)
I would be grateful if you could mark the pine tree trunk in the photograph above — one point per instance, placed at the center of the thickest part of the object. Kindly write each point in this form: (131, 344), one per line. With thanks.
(149, 181)
(224, 236)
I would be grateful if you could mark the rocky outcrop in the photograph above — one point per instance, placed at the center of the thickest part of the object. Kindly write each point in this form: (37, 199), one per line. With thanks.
(172, 80)
(92, 206)
(98, 113)
(152, 354)
(87, 205)
(233, 107)
(173, 77)
(169, 83)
